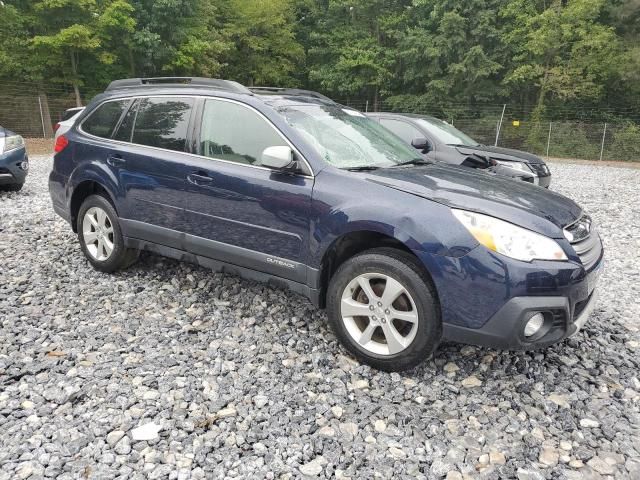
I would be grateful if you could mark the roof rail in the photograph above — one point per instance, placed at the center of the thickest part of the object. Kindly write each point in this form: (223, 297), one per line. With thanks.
(289, 91)
(228, 85)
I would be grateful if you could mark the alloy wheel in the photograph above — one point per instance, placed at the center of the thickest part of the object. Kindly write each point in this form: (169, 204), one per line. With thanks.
(97, 232)
(379, 313)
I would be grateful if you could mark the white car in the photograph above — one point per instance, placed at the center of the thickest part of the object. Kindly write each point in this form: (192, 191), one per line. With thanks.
(68, 119)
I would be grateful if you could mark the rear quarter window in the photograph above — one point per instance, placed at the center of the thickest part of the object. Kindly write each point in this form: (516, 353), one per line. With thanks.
(103, 120)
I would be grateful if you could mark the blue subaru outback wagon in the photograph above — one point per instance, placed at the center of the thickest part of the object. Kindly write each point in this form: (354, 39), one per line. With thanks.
(288, 187)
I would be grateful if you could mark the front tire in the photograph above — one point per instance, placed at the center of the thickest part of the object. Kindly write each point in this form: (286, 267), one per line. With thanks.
(384, 310)
(100, 236)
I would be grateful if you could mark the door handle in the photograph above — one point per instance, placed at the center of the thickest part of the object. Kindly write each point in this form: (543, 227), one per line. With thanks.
(199, 178)
(116, 160)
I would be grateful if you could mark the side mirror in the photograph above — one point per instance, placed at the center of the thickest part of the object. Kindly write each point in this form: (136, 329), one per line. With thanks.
(422, 143)
(277, 158)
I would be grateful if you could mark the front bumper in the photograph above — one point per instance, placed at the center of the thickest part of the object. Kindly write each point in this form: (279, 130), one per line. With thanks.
(486, 298)
(504, 330)
(11, 167)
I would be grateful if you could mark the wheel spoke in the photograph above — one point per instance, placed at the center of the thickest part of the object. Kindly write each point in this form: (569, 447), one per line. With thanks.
(367, 333)
(99, 252)
(93, 218)
(395, 341)
(365, 284)
(411, 317)
(102, 216)
(351, 308)
(392, 290)
(108, 246)
(90, 237)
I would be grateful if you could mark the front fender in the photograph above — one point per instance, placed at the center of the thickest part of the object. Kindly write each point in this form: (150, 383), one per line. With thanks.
(343, 204)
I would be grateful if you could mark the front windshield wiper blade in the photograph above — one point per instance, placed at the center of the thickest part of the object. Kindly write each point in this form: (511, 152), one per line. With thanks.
(414, 161)
(362, 168)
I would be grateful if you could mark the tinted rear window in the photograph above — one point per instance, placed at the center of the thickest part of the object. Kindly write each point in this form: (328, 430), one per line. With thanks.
(163, 122)
(104, 119)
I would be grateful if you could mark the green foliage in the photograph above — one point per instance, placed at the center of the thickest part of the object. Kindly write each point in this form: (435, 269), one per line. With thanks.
(626, 143)
(571, 140)
(436, 56)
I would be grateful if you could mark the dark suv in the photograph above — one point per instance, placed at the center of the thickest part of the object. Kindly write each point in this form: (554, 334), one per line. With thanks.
(289, 187)
(438, 140)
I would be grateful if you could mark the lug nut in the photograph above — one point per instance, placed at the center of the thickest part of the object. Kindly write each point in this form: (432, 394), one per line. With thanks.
(387, 312)
(379, 304)
(371, 307)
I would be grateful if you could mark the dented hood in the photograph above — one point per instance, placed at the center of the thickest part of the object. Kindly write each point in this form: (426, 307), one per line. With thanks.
(521, 203)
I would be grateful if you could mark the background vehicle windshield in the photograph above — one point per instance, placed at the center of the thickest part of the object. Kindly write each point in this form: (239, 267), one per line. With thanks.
(346, 138)
(446, 133)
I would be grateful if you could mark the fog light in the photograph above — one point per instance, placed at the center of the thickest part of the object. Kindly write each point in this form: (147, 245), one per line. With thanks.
(24, 166)
(534, 324)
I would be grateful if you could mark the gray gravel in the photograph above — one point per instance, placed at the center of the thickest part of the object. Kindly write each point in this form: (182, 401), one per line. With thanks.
(168, 370)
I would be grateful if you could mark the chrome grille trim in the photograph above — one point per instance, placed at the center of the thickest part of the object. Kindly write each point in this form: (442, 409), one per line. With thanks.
(585, 240)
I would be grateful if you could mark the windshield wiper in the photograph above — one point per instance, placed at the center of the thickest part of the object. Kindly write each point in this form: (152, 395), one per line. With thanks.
(414, 161)
(362, 168)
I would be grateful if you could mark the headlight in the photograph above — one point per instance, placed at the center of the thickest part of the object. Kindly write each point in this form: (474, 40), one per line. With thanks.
(12, 142)
(508, 239)
(523, 167)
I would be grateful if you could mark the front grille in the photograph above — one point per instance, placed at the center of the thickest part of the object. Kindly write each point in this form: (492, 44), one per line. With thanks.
(540, 169)
(585, 241)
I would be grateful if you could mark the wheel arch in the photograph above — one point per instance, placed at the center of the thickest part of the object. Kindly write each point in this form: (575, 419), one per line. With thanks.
(84, 189)
(352, 243)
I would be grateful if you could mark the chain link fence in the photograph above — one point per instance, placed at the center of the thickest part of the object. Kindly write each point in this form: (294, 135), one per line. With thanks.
(31, 109)
(580, 133)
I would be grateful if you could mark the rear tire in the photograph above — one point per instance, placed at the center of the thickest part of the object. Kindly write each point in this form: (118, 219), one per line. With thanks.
(100, 236)
(397, 324)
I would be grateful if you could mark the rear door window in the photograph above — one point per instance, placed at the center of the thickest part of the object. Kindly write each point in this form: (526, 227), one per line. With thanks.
(103, 120)
(163, 122)
(403, 130)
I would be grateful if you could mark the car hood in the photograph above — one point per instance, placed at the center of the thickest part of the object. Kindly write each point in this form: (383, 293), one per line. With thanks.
(500, 153)
(521, 203)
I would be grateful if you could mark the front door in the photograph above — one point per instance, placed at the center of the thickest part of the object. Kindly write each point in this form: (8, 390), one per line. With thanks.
(238, 211)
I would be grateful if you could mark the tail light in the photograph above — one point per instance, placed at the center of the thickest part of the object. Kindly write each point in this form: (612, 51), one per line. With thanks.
(56, 127)
(61, 144)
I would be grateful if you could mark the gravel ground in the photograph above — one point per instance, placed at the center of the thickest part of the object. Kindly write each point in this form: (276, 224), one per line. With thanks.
(230, 378)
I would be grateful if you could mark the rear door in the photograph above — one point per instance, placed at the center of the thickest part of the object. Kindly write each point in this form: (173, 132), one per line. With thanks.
(151, 167)
(237, 210)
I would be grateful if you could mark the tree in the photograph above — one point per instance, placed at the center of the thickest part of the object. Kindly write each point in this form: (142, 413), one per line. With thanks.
(354, 46)
(67, 32)
(265, 50)
(561, 50)
(452, 51)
